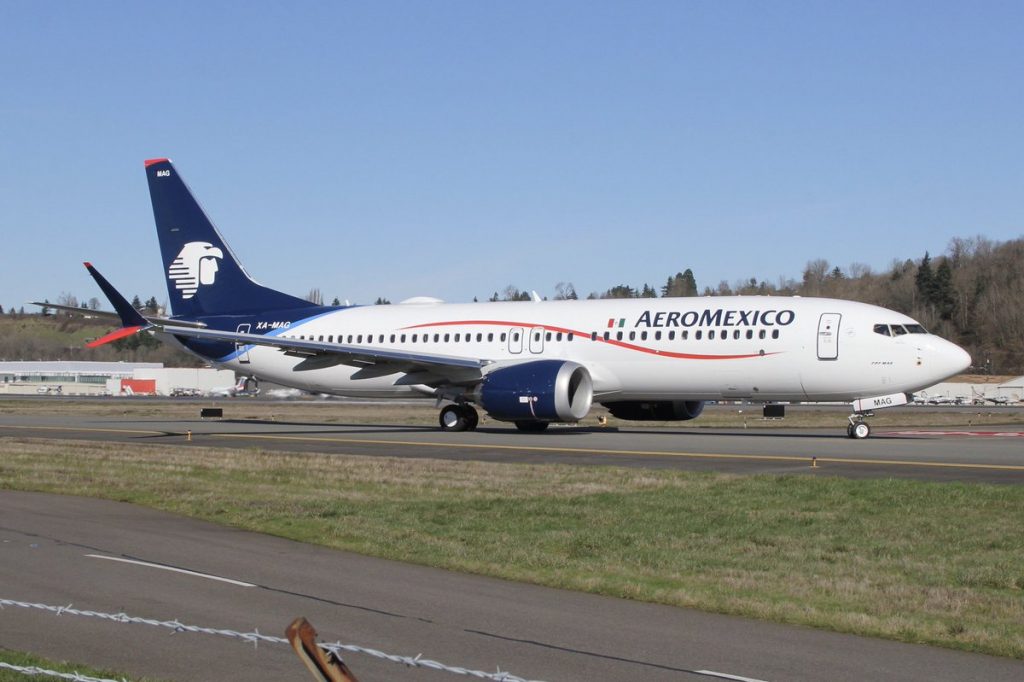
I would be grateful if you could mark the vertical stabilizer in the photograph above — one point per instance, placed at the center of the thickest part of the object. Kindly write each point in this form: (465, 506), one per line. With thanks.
(203, 275)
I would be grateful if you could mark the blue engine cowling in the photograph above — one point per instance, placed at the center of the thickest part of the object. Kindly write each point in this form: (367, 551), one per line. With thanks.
(543, 390)
(656, 410)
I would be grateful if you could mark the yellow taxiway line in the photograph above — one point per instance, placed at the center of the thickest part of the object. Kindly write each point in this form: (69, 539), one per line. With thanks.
(628, 453)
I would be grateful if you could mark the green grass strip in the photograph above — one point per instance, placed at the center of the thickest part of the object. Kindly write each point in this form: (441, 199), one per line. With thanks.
(937, 563)
(24, 660)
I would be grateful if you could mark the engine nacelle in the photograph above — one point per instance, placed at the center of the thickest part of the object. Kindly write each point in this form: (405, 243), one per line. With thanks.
(543, 390)
(656, 410)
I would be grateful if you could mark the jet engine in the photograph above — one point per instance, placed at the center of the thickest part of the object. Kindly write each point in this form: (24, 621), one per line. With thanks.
(539, 391)
(656, 411)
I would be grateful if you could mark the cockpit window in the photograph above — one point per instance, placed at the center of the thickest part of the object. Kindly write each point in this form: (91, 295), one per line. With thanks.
(898, 330)
(882, 329)
(916, 329)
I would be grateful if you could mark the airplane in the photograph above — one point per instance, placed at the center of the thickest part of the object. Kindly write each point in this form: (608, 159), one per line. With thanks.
(531, 363)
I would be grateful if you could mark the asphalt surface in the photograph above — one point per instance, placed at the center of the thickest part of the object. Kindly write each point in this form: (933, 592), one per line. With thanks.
(57, 550)
(986, 454)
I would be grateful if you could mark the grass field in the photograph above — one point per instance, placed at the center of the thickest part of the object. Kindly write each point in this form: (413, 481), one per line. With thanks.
(912, 561)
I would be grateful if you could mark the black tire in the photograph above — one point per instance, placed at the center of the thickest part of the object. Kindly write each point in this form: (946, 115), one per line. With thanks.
(860, 430)
(472, 417)
(529, 426)
(452, 418)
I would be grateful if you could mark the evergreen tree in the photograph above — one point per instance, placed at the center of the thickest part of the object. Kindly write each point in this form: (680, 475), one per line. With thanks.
(943, 296)
(689, 283)
(136, 302)
(336, 301)
(648, 292)
(924, 279)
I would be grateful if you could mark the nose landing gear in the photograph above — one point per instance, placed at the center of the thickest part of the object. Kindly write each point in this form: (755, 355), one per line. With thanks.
(859, 428)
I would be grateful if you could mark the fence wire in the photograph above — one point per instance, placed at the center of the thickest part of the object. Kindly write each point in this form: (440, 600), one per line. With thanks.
(32, 671)
(256, 637)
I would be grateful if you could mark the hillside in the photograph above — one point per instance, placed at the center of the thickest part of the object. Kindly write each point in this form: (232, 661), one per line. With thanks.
(38, 337)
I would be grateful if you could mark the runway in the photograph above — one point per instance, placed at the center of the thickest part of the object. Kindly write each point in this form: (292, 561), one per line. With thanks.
(983, 455)
(60, 550)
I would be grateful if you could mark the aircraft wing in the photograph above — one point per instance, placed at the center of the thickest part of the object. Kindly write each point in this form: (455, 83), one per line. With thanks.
(420, 368)
(111, 315)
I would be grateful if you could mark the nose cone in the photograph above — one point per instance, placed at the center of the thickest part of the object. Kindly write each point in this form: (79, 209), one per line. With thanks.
(953, 359)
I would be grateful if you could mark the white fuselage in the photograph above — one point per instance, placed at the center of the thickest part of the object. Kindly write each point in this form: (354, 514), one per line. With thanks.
(709, 348)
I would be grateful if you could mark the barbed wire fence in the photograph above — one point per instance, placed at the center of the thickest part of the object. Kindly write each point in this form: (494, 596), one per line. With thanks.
(255, 638)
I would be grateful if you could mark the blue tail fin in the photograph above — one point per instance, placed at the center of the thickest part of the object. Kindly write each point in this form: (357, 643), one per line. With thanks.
(203, 275)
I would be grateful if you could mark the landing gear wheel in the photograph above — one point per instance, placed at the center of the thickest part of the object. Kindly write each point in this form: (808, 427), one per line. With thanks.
(530, 426)
(458, 418)
(472, 418)
(860, 430)
(453, 418)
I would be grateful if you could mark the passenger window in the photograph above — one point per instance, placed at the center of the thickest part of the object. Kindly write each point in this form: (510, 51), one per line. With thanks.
(402, 338)
(643, 336)
(775, 333)
(657, 336)
(479, 337)
(593, 336)
(606, 336)
(632, 336)
(750, 333)
(457, 337)
(445, 338)
(558, 336)
(685, 335)
(711, 334)
(761, 334)
(392, 338)
(698, 335)
(672, 335)
(414, 337)
(359, 339)
(736, 334)
(502, 337)
(515, 337)
(618, 336)
(569, 337)
(380, 339)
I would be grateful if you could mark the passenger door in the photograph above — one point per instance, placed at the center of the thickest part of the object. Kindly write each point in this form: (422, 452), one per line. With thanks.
(828, 336)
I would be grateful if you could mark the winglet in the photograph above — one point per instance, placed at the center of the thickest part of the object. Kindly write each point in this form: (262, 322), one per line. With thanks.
(130, 317)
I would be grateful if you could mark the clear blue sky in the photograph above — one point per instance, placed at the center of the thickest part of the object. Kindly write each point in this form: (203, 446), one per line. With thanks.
(452, 148)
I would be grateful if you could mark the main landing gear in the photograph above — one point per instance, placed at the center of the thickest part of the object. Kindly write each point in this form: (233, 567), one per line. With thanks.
(859, 428)
(458, 417)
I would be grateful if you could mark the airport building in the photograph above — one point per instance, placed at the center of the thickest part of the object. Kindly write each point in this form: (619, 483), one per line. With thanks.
(109, 378)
